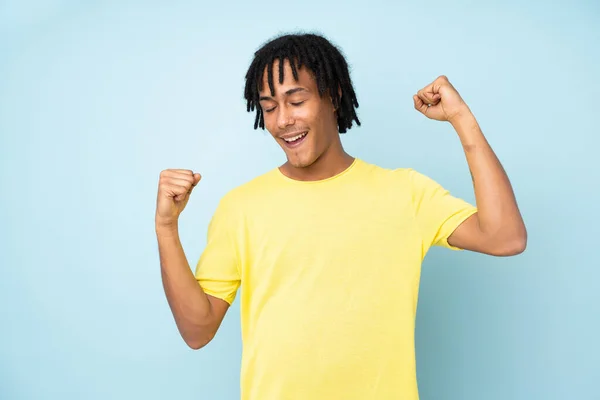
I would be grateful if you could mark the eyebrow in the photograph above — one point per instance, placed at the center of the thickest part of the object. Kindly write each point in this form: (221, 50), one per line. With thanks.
(288, 93)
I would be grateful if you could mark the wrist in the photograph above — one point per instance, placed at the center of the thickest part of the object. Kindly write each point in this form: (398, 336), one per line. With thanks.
(166, 226)
(468, 131)
(462, 117)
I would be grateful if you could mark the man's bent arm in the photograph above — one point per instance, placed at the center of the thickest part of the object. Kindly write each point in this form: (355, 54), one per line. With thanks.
(197, 315)
(498, 220)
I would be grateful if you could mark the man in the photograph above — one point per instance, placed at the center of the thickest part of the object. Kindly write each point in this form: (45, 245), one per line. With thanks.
(327, 248)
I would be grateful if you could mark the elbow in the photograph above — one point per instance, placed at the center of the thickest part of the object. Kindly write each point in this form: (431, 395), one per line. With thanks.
(195, 345)
(520, 242)
(514, 246)
(521, 246)
(513, 249)
(196, 342)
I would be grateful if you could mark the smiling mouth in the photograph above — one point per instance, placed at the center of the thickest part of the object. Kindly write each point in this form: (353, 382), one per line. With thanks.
(295, 140)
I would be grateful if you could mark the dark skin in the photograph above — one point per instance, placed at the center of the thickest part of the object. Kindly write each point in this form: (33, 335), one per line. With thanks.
(497, 228)
(297, 107)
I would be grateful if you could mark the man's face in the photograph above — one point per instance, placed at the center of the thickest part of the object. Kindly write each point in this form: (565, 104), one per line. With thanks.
(296, 111)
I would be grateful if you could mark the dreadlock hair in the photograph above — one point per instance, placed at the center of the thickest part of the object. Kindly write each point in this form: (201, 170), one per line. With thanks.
(322, 58)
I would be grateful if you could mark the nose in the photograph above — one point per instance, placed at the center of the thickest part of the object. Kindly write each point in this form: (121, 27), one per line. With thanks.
(285, 117)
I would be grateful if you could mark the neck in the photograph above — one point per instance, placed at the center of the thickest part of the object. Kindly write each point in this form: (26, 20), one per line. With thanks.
(332, 162)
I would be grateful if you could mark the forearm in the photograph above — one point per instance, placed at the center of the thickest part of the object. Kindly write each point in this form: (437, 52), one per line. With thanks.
(188, 302)
(498, 213)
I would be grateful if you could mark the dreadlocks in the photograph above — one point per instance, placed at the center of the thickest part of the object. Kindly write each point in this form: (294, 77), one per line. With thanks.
(321, 57)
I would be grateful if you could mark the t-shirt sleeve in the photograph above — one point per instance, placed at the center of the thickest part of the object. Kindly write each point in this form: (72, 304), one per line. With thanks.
(438, 213)
(218, 268)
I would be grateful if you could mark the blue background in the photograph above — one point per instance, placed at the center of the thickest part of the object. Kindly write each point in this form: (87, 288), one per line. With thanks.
(97, 98)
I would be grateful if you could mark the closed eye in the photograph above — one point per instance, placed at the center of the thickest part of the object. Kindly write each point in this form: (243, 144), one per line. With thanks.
(296, 104)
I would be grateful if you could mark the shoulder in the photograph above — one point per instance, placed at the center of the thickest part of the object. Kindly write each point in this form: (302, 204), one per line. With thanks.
(397, 175)
(408, 175)
(249, 191)
(401, 181)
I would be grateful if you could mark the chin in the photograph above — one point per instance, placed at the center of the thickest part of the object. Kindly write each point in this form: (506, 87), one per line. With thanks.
(301, 162)
(298, 163)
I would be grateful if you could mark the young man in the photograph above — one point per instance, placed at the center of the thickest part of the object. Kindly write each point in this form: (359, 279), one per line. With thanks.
(327, 248)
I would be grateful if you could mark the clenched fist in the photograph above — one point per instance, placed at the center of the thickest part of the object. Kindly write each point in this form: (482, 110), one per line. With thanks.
(440, 101)
(174, 189)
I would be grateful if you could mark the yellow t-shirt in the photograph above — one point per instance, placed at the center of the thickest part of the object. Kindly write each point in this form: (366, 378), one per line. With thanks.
(329, 273)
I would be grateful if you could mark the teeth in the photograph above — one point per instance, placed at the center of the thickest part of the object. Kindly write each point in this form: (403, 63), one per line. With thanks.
(294, 138)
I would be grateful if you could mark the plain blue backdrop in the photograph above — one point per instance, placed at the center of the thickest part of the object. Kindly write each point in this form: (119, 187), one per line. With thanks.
(96, 98)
